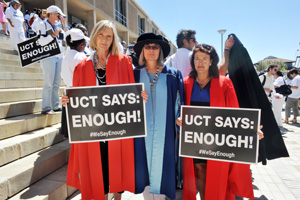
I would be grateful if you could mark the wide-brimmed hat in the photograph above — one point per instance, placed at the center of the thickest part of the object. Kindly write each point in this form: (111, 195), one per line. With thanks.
(148, 38)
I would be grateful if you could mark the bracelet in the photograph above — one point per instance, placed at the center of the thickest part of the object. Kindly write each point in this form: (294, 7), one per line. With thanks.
(227, 49)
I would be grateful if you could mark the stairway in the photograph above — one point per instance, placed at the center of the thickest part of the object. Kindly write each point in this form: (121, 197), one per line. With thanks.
(33, 153)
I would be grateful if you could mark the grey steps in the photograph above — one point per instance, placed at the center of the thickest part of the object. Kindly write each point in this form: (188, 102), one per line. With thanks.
(24, 94)
(9, 55)
(4, 62)
(20, 108)
(36, 69)
(17, 147)
(20, 174)
(10, 84)
(52, 187)
(21, 76)
(7, 51)
(17, 125)
(9, 62)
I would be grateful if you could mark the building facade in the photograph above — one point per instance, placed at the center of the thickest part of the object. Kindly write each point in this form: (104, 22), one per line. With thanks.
(130, 19)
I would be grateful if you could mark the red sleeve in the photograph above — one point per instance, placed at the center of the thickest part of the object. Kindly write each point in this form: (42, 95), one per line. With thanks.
(121, 152)
(230, 95)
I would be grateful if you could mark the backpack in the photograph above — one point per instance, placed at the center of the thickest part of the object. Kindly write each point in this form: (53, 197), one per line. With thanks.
(262, 73)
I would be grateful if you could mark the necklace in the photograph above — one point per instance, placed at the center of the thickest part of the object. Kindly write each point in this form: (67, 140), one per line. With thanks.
(100, 64)
(156, 76)
(101, 79)
(204, 82)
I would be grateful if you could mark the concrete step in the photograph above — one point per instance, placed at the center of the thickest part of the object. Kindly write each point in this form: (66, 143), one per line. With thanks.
(36, 69)
(5, 62)
(52, 187)
(6, 44)
(9, 56)
(21, 76)
(20, 174)
(23, 94)
(22, 145)
(10, 84)
(9, 62)
(20, 108)
(10, 127)
(7, 51)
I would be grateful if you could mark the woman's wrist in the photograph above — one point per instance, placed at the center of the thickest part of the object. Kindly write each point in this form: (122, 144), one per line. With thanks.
(227, 49)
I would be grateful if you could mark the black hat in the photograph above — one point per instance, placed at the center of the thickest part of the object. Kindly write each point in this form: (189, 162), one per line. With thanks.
(148, 38)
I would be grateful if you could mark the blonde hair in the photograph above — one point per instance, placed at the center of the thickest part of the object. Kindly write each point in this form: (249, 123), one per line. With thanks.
(142, 60)
(101, 25)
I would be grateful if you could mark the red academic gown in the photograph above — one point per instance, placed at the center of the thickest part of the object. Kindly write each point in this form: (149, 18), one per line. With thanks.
(224, 180)
(85, 167)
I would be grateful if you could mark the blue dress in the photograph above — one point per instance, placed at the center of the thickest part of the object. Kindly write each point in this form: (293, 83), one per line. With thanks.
(155, 154)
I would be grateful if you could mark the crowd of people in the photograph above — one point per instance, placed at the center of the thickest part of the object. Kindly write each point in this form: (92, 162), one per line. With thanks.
(272, 80)
(191, 76)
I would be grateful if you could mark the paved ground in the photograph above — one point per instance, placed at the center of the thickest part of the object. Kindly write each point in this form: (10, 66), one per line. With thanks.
(278, 180)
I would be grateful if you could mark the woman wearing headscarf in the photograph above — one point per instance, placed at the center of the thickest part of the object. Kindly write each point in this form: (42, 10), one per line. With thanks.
(204, 87)
(251, 94)
(155, 154)
(98, 168)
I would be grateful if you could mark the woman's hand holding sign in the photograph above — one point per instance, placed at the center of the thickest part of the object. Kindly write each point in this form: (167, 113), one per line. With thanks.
(64, 100)
(144, 94)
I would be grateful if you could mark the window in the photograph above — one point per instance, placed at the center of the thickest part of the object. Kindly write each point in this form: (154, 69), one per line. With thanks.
(141, 22)
(154, 31)
(120, 12)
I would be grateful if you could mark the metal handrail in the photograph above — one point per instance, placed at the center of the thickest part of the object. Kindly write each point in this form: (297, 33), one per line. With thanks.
(120, 18)
(141, 31)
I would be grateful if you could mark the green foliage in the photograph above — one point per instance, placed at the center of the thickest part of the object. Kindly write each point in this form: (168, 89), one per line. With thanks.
(263, 65)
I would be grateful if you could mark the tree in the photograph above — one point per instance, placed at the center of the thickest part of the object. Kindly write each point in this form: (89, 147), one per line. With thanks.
(263, 65)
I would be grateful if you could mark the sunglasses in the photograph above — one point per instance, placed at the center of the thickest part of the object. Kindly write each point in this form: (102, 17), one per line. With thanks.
(204, 47)
(154, 47)
(194, 39)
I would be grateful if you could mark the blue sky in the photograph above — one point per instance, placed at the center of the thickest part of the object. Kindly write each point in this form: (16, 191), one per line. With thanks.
(265, 27)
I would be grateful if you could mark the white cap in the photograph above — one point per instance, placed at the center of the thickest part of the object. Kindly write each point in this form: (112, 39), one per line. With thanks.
(55, 9)
(76, 34)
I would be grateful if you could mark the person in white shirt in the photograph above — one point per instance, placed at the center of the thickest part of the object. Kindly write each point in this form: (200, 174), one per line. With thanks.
(76, 41)
(292, 100)
(87, 49)
(266, 80)
(42, 16)
(186, 41)
(278, 99)
(52, 66)
(17, 27)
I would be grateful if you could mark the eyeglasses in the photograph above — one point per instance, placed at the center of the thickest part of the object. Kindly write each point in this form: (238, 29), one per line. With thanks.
(194, 39)
(154, 47)
(204, 47)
